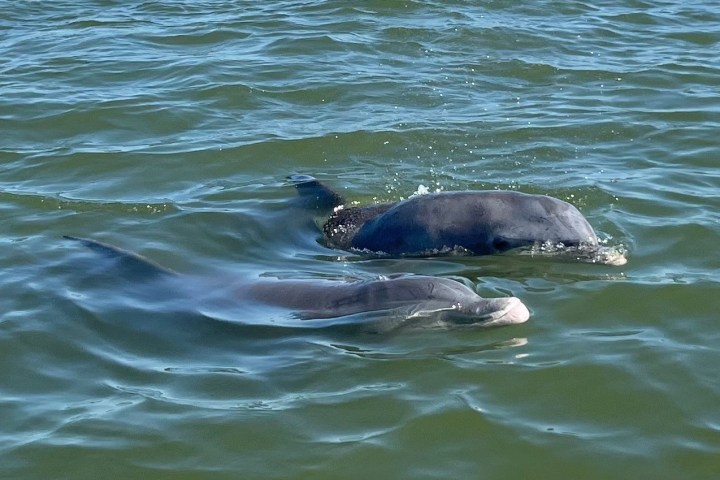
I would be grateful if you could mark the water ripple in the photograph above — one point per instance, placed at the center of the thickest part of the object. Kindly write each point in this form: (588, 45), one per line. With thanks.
(169, 127)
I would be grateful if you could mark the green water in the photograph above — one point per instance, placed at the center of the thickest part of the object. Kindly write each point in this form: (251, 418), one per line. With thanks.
(167, 128)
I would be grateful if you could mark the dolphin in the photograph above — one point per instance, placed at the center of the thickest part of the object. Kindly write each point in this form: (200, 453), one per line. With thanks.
(464, 222)
(384, 304)
(419, 300)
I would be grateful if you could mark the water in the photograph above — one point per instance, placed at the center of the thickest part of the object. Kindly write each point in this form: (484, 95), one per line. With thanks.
(168, 128)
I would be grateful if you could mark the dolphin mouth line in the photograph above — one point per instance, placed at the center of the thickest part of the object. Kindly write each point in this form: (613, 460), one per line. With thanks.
(512, 312)
(428, 312)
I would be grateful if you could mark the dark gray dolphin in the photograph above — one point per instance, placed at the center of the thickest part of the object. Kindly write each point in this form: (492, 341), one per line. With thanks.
(399, 301)
(470, 222)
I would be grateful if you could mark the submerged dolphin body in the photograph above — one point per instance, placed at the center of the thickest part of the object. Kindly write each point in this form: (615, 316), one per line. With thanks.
(396, 302)
(419, 301)
(470, 222)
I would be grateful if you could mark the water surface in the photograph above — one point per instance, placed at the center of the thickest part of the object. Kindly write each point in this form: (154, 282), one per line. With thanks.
(167, 128)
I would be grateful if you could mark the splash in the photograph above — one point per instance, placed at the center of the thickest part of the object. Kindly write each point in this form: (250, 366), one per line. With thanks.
(423, 190)
(614, 255)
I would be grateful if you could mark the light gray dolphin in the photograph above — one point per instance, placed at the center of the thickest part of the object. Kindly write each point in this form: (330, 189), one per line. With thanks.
(414, 301)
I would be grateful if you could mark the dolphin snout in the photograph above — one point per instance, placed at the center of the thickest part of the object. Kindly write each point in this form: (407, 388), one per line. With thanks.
(505, 311)
(516, 311)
